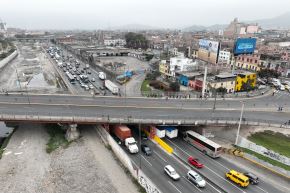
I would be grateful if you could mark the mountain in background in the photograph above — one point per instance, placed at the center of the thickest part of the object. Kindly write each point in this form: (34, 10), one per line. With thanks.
(134, 27)
(215, 27)
(279, 22)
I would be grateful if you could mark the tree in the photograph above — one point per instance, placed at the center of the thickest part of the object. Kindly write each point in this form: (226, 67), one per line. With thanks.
(175, 86)
(221, 90)
(153, 75)
(268, 73)
(136, 41)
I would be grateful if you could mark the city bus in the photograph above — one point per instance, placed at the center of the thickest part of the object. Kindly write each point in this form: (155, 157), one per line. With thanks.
(203, 144)
(71, 78)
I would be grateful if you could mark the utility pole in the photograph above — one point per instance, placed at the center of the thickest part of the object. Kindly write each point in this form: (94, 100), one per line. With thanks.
(238, 132)
(204, 82)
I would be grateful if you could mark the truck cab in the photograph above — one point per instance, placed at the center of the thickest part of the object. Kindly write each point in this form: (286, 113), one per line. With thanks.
(131, 145)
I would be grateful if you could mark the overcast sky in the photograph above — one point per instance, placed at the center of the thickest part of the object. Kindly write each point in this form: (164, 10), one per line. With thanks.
(103, 14)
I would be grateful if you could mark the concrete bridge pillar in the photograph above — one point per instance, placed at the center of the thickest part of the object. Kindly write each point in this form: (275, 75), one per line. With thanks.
(72, 132)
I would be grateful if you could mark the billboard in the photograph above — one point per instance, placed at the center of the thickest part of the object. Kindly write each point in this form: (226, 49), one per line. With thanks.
(208, 50)
(245, 46)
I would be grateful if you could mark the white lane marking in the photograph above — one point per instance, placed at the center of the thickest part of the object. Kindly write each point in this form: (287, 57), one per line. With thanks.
(179, 148)
(146, 160)
(160, 156)
(261, 189)
(18, 153)
(191, 183)
(174, 186)
(210, 169)
(223, 179)
(214, 187)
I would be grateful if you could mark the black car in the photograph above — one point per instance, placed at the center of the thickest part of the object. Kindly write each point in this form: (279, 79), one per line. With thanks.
(252, 178)
(145, 149)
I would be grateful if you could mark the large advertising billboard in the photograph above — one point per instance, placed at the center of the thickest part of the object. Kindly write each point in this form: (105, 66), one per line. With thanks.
(208, 51)
(245, 46)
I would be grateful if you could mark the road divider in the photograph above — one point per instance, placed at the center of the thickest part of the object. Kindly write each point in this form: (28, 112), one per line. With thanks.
(162, 143)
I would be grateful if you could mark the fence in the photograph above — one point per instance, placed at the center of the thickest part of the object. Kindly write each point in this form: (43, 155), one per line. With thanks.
(243, 142)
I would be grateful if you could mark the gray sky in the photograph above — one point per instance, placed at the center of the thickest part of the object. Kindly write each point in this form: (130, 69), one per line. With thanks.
(98, 14)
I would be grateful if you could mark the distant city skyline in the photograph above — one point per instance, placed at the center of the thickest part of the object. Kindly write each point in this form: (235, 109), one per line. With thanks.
(91, 14)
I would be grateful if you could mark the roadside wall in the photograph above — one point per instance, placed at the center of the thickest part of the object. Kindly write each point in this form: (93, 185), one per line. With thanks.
(138, 174)
(243, 142)
(8, 59)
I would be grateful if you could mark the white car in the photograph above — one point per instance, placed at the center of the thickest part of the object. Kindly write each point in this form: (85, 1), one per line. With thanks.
(196, 179)
(93, 79)
(91, 86)
(170, 171)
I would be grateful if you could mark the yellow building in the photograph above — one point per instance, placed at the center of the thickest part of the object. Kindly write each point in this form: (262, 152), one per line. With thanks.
(244, 78)
(164, 68)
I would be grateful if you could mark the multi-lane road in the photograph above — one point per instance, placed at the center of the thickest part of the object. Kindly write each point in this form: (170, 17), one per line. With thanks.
(214, 170)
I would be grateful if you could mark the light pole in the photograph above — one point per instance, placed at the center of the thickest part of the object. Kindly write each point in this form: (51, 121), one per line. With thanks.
(214, 99)
(27, 94)
(140, 144)
(238, 132)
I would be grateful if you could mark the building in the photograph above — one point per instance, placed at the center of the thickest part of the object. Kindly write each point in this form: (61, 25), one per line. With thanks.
(181, 64)
(248, 62)
(226, 81)
(244, 78)
(164, 69)
(185, 77)
(225, 57)
(3, 29)
(238, 29)
(114, 42)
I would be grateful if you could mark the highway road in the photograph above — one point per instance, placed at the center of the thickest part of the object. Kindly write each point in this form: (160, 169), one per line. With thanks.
(138, 108)
(215, 169)
(153, 166)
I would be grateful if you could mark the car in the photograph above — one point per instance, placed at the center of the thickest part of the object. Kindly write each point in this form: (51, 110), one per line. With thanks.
(195, 162)
(82, 71)
(86, 87)
(146, 150)
(196, 179)
(93, 79)
(170, 171)
(102, 88)
(252, 178)
(89, 72)
(91, 86)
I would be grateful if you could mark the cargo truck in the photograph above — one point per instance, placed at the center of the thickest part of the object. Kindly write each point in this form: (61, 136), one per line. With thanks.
(123, 133)
(111, 87)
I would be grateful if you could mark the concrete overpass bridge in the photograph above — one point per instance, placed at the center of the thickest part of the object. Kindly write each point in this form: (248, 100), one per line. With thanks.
(35, 39)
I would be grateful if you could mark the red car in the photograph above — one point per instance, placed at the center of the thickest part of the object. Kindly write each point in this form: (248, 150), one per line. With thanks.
(193, 161)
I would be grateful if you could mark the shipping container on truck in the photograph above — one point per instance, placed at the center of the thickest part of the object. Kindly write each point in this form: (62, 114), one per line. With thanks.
(111, 87)
(122, 132)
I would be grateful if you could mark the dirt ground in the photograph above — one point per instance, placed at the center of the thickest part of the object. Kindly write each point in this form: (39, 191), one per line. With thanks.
(85, 166)
(30, 71)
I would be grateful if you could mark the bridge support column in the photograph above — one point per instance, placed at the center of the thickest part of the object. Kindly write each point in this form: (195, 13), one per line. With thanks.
(72, 132)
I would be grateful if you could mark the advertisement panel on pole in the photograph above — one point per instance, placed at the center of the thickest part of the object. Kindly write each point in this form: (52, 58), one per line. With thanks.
(245, 46)
(208, 50)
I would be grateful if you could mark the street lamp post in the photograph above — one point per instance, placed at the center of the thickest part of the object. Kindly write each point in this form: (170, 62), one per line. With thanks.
(140, 141)
(238, 132)
(214, 99)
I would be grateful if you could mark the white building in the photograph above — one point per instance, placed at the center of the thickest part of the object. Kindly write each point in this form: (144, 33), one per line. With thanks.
(181, 64)
(114, 42)
(224, 57)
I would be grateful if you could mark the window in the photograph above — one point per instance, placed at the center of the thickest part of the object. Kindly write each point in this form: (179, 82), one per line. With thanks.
(232, 82)
(256, 61)
(201, 142)
(247, 59)
(251, 60)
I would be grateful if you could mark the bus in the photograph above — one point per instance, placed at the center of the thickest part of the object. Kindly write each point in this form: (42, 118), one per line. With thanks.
(71, 78)
(203, 144)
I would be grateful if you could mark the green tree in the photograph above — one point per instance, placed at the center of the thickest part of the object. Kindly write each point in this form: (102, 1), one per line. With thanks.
(175, 86)
(268, 73)
(221, 90)
(136, 41)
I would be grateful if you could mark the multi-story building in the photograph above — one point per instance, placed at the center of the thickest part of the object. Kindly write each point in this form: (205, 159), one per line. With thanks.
(226, 81)
(238, 29)
(114, 42)
(181, 64)
(243, 78)
(248, 62)
(164, 68)
(225, 57)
